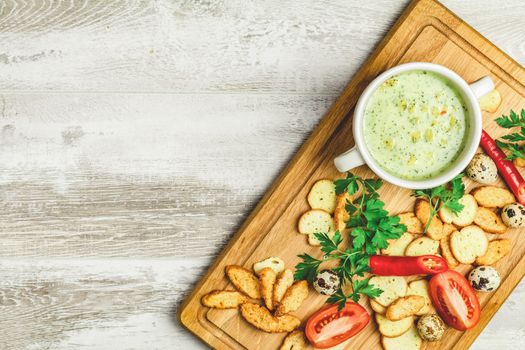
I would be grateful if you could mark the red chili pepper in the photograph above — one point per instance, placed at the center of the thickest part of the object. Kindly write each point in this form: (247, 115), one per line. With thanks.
(505, 167)
(383, 265)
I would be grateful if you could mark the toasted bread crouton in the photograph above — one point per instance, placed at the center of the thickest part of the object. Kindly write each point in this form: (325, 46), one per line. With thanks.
(340, 214)
(519, 162)
(244, 280)
(420, 287)
(413, 224)
(274, 262)
(492, 197)
(404, 307)
(393, 287)
(468, 244)
(313, 221)
(465, 217)
(283, 282)
(267, 277)
(380, 309)
(294, 341)
(422, 211)
(390, 328)
(489, 221)
(497, 249)
(223, 299)
(444, 244)
(293, 298)
(410, 340)
(322, 196)
(397, 247)
(447, 230)
(422, 246)
(490, 102)
(261, 318)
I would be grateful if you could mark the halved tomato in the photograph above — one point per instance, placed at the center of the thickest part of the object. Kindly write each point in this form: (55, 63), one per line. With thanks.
(330, 326)
(454, 300)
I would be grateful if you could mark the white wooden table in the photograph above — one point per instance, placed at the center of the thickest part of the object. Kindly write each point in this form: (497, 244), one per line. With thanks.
(136, 136)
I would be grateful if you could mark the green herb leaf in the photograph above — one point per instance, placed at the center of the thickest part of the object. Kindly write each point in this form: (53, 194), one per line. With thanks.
(514, 148)
(447, 195)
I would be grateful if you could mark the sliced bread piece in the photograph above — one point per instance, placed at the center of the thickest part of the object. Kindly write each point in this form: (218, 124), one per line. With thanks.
(293, 298)
(283, 282)
(267, 278)
(294, 341)
(422, 246)
(444, 244)
(313, 221)
(492, 196)
(420, 287)
(489, 221)
(390, 328)
(380, 309)
(406, 306)
(465, 217)
(340, 214)
(496, 250)
(468, 244)
(422, 211)
(413, 224)
(244, 280)
(322, 196)
(397, 247)
(223, 299)
(490, 102)
(410, 340)
(393, 287)
(273, 262)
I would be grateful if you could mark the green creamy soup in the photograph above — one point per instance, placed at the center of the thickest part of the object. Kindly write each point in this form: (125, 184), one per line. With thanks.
(415, 125)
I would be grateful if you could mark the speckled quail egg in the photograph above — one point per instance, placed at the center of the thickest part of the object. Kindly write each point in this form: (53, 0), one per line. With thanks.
(431, 327)
(482, 169)
(484, 278)
(326, 282)
(513, 215)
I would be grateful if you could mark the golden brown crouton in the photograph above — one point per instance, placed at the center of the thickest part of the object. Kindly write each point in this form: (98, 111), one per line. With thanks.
(489, 221)
(413, 224)
(497, 249)
(244, 280)
(340, 214)
(293, 298)
(492, 196)
(284, 281)
(267, 278)
(444, 243)
(261, 318)
(404, 307)
(223, 299)
(294, 341)
(422, 211)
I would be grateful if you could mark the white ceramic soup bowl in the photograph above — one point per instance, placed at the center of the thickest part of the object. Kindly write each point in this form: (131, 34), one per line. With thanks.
(359, 154)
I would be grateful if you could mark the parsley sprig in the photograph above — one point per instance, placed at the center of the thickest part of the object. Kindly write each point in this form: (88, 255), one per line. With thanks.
(515, 149)
(371, 228)
(447, 195)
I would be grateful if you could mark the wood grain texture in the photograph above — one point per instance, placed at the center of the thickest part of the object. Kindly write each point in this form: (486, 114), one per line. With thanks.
(100, 176)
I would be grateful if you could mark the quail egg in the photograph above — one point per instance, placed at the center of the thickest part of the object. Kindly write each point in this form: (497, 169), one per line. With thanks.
(431, 327)
(484, 278)
(513, 215)
(482, 169)
(326, 282)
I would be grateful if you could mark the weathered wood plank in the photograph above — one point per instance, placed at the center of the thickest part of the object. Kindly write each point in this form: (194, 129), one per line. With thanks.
(108, 175)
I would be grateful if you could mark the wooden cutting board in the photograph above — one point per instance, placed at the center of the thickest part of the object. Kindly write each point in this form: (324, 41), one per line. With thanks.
(426, 31)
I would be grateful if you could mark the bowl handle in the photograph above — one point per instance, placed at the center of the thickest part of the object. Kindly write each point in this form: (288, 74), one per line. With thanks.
(349, 160)
(482, 86)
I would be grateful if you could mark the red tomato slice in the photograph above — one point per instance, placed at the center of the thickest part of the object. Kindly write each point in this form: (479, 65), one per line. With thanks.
(455, 300)
(329, 326)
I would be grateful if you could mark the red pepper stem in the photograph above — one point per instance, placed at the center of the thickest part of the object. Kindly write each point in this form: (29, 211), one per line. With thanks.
(382, 265)
(506, 168)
